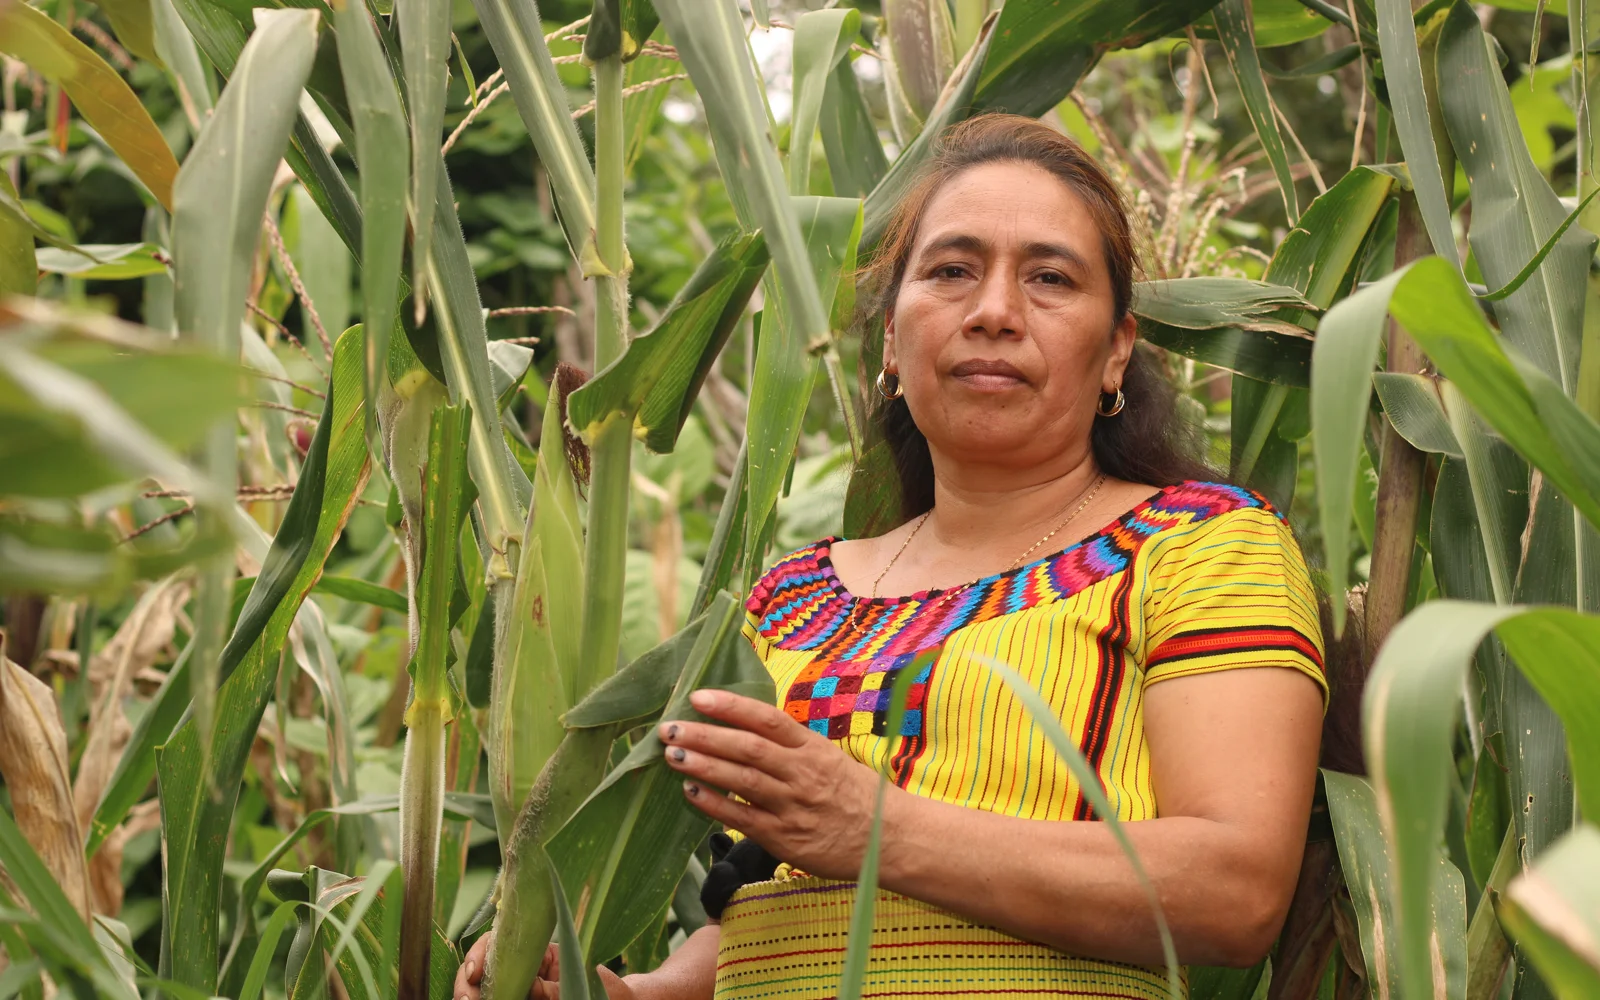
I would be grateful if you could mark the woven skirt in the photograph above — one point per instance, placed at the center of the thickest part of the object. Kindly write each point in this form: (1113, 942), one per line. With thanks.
(786, 939)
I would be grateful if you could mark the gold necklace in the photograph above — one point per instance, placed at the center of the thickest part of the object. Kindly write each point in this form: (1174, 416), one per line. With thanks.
(1086, 498)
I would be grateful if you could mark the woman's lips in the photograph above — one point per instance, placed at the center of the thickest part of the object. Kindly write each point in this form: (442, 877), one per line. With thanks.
(989, 375)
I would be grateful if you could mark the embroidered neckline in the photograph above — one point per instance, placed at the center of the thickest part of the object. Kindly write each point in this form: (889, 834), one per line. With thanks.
(801, 603)
(824, 557)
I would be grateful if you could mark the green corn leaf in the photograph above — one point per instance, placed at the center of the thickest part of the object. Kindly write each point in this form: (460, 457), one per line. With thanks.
(104, 262)
(917, 40)
(518, 41)
(355, 920)
(1553, 911)
(821, 44)
(1319, 255)
(1337, 59)
(1232, 323)
(721, 561)
(1410, 713)
(362, 591)
(1041, 50)
(98, 92)
(137, 765)
(1234, 30)
(424, 29)
(533, 673)
(423, 769)
(256, 977)
(1414, 406)
(626, 847)
(659, 377)
(1364, 862)
(1514, 209)
(330, 482)
(575, 983)
(958, 105)
(858, 946)
(503, 489)
(856, 161)
(380, 128)
(178, 51)
(1404, 72)
(638, 692)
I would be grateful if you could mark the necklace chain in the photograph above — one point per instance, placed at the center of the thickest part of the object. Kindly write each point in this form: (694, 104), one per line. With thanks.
(1086, 498)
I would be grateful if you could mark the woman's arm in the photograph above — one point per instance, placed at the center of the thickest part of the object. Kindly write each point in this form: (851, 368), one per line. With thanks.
(690, 973)
(1233, 756)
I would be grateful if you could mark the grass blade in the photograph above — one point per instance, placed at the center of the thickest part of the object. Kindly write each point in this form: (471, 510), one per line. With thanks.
(821, 44)
(380, 129)
(424, 28)
(1238, 39)
(1408, 96)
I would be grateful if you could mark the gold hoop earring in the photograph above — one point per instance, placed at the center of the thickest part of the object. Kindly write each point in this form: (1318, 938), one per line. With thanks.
(883, 386)
(1116, 407)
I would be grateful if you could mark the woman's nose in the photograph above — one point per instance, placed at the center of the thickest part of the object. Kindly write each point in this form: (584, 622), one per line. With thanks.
(996, 306)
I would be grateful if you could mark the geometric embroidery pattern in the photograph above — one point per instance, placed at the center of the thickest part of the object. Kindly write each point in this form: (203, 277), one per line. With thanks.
(802, 605)
(851, 697)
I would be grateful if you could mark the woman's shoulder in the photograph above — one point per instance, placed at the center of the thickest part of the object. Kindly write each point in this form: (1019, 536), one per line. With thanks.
(1199, 522)
(799, 572)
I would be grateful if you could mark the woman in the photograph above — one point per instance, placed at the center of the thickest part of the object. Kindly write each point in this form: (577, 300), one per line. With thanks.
(1176, 639)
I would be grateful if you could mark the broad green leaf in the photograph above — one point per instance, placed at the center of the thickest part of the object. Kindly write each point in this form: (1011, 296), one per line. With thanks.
(1364, 861)
(384, 180)
(137, 765)
(362, 591)
(958, 105)
(98, 92)
(104, 262)
(1553, 911)
(625, 849)
(1413, 405)
(872, 502)
(330, 483)
(786, 361)
(49, 554)
(917, 40)
(1231, 323)
(503, 489)
(1404, 71)
(658, 378)
(722, 557)
(1232, 19)
(1278, 22)
(1410, 714)
(424, 30)
(518, 41)
(1041, 50)
(1317, 256)
(423, 769)
(177, 50)
(576, 983)
(535, 669)
(1514, 209)
(856, 161)
(638, 692)
(821, 44)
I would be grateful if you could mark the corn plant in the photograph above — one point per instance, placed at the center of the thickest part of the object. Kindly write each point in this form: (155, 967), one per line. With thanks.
(1479, 426)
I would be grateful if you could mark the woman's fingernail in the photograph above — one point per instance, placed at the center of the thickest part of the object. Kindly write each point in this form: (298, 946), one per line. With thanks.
(691, 789)
(472, 967)
(672, 731)
(703, 700)
(678, 754)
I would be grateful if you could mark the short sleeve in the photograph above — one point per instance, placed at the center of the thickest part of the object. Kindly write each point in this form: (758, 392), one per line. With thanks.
(1231, 592)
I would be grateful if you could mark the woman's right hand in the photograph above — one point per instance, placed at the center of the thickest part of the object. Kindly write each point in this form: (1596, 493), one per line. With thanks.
(469, 978)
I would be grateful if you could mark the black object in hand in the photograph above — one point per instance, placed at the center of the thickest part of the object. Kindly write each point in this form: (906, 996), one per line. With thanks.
(733, 864)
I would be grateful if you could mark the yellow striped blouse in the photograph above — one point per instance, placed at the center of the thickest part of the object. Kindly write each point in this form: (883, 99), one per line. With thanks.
(1200, 577)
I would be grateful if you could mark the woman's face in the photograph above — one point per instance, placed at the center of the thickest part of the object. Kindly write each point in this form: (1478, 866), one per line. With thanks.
(1002, 333)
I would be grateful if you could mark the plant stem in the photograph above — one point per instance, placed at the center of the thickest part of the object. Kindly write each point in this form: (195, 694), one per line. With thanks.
(1401, 467)
(834, 366)
(612, 449)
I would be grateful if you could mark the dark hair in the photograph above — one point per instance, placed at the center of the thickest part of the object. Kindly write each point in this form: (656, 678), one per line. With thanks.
(1150, 441)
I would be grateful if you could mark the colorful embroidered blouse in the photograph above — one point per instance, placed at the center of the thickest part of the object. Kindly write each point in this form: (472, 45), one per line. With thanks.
(1201, 577)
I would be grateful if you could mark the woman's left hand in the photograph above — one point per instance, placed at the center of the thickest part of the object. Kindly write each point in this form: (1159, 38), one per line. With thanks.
(804, 799)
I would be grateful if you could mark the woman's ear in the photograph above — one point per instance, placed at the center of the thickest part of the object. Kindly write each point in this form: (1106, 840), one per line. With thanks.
(891, 363)
(1122, 337)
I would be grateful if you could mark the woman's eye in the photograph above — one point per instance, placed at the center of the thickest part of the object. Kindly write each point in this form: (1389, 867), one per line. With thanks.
(949, 271)
(1051, 278)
